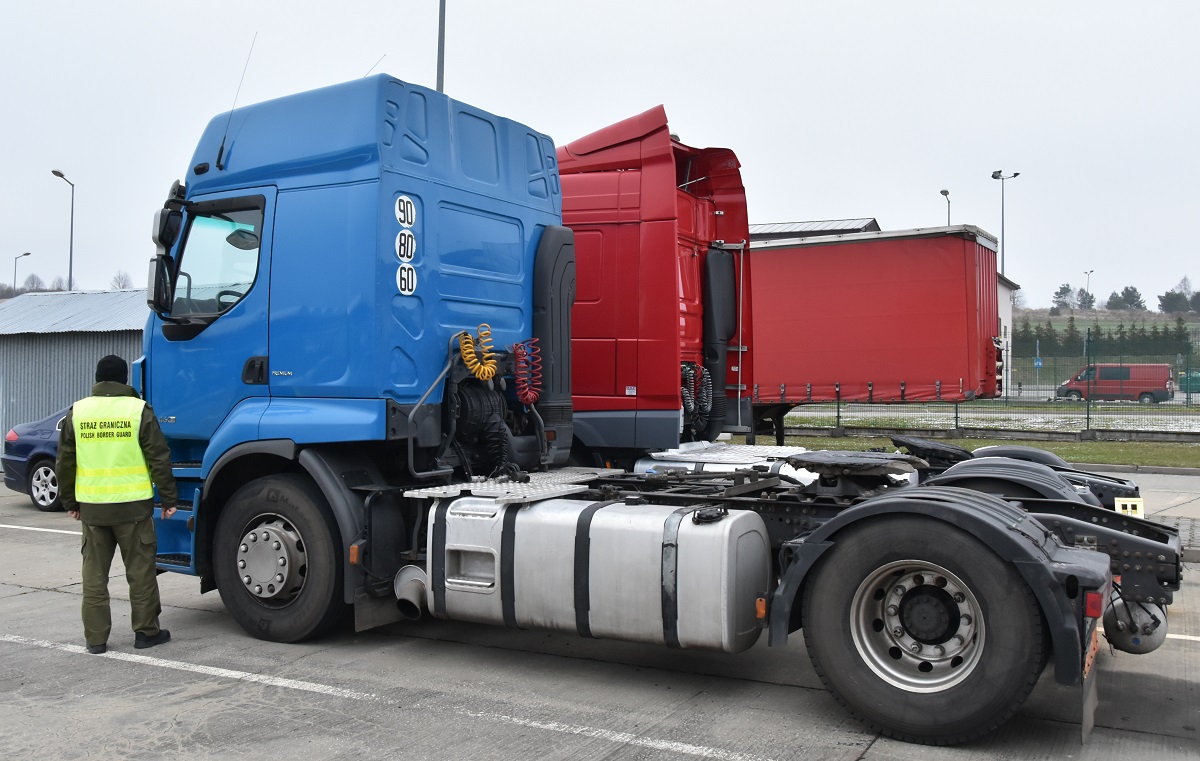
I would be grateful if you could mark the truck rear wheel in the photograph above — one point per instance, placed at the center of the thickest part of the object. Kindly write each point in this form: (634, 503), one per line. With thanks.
(922, 631)
(277, 566)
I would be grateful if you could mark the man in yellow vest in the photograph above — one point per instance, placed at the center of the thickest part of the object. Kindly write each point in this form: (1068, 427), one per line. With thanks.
(109, 450)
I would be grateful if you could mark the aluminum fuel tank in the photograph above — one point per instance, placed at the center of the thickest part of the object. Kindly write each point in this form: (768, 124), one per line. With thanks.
(685, 577)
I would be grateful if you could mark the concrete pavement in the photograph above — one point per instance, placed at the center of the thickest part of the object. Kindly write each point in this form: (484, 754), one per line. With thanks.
(438, 690)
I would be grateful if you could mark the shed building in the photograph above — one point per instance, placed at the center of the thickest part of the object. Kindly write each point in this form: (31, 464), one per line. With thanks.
(50, 342)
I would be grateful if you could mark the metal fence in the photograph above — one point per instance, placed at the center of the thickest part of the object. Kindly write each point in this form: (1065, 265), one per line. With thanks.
(1036, 402)
(1175, 420)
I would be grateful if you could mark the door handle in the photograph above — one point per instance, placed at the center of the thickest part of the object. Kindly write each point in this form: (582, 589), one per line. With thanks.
(254, 372)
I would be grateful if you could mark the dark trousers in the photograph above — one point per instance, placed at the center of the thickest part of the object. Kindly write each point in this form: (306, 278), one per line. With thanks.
(138, 545)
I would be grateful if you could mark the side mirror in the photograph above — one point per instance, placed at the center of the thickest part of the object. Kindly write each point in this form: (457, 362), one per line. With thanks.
(166, 229)
(167, 223)
(158, 290)
(243, 240)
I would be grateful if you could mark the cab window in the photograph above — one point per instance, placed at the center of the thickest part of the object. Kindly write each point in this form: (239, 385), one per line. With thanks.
(218, 260)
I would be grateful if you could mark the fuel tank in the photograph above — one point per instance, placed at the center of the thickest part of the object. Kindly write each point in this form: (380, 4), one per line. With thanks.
(685, 577)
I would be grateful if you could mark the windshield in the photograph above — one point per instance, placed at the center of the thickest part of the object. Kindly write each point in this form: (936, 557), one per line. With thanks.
(217, 261)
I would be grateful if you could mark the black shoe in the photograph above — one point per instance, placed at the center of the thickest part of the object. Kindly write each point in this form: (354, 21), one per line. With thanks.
(141, 641)
(97, 649)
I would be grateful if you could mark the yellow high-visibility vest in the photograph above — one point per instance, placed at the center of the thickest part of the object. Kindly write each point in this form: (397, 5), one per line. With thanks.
(109, 465)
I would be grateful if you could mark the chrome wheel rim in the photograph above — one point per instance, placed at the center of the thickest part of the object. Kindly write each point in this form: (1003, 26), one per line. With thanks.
(917, 626)
(44, 486)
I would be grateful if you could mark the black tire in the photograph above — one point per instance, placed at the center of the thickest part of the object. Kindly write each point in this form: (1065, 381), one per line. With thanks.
(1074, 396)
(295, 536)
(43, 486)
(860, 630)
(1146, 399)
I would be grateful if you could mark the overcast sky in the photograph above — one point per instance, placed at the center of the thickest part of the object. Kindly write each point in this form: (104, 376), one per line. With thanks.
(835, 109)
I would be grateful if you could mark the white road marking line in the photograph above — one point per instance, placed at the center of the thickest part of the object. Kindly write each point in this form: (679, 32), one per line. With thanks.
(1187, 637)
(621, 738)
(244, 676)
(47, 530)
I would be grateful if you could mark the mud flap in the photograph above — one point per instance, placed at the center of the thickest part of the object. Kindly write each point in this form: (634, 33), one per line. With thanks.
(370, 612)
(1090, 700)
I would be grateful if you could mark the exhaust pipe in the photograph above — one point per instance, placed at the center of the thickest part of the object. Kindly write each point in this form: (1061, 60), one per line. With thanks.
(409, 586)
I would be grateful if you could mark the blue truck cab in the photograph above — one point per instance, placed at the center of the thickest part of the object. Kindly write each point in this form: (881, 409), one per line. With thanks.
(327, 285)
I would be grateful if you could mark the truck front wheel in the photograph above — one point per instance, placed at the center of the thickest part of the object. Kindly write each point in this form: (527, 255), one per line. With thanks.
(277, 566)
(922, 631)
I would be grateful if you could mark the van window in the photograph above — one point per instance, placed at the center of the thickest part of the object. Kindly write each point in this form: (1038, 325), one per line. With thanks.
(1087, 374)
(1114, 373)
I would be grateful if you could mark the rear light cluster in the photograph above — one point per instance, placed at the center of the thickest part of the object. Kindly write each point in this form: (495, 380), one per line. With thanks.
(11, 435)
(1093, 604)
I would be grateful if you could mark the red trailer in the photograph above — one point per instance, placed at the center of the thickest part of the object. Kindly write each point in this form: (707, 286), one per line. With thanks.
(894, 316)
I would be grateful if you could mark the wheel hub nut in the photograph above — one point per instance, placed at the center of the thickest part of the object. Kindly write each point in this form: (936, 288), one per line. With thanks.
(263, 558)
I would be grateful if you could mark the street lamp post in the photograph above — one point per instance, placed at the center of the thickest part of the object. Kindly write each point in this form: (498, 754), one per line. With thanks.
(946, 193)
(1087, 288)
(71, 254)
(999, 175)
(15, 258)
(441, 56)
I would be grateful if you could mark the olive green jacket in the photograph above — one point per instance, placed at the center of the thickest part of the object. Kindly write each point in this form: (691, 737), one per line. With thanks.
(158, 462)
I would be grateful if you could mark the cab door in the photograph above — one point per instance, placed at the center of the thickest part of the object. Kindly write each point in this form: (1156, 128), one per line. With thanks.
(206, 358)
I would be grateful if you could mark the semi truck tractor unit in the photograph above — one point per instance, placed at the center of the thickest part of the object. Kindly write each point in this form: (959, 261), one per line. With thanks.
(361, 353)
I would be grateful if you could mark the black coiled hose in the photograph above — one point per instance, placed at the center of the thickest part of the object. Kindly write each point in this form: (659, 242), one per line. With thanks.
(696, 392)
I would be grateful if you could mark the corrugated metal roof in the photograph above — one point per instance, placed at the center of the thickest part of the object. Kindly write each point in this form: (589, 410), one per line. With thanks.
(74, 312)
(774, 228)
(971, 232)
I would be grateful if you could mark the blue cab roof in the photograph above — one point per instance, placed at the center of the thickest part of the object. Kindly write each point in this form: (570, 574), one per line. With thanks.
(354, 131)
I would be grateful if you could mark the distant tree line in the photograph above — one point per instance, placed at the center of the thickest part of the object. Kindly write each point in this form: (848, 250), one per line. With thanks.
(34, 284)
(1133, 340)
(1179, 300)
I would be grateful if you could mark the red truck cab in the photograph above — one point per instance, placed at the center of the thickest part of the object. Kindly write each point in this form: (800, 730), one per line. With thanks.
(648, 214)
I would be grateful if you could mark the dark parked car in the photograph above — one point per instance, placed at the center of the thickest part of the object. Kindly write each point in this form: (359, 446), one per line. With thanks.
(29, 450)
